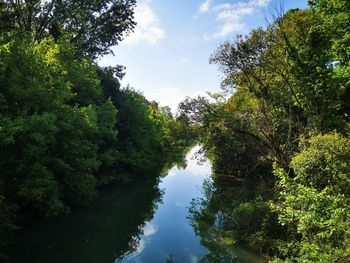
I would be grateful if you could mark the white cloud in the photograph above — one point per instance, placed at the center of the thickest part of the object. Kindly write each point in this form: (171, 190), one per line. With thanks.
(261, 2)
(148, 29)
(230, 16)
(171, 96)
(224, 30)
(204, 7)
(149, 230)
(192, 164)
(203, 169)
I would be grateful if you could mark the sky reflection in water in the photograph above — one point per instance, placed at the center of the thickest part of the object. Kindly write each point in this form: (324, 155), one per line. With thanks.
(169, 233)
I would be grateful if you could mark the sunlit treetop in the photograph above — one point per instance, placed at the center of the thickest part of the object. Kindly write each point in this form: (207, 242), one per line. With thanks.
(93, 26)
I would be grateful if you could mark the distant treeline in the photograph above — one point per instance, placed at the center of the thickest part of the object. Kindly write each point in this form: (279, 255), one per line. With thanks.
(283, 137)
(66, 126)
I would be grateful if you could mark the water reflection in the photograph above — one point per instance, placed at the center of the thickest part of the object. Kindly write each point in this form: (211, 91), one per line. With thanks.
(138, 247)
(168, 237)
(110, 228)
(211, 218)
(147, 221)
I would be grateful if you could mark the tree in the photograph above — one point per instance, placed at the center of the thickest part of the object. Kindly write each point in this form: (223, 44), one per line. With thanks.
(315, 203)
(93, 26)
(336, 19)
(140, 134)
(288, 69)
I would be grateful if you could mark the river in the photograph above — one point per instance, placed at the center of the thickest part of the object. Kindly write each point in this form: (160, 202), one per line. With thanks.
(147, 221)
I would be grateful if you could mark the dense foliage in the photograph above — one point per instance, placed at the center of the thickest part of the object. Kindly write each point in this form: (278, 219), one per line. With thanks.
(315, 203)
(66, 126)
(282, 134)
(93, 26)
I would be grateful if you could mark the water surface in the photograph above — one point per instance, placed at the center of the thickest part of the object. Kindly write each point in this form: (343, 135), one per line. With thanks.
(146, 221)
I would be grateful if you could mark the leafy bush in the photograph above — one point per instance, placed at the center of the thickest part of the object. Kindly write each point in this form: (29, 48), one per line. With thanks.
(315, 202)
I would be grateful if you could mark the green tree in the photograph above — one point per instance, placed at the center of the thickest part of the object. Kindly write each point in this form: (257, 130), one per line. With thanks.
(49, 158)
(288, 69)
(140, 132)
(106, 139)
(315, 203)
(93, 26)
(288, 84)
(336, 20)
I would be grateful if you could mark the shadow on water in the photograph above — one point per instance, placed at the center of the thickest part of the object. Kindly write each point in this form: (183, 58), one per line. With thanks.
(138, 222)
(211, 217)
(107, 229)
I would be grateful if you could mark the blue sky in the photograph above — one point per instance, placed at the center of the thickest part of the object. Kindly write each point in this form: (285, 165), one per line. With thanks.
(167, 56)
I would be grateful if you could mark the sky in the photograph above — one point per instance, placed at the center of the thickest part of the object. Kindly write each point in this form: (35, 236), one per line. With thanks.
(167, 55)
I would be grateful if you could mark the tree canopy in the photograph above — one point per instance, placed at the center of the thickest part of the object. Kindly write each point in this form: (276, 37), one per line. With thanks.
(66, 125)
(93, 26)
(281, 133)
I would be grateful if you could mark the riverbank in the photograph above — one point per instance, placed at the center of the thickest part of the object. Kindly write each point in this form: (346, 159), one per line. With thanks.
(144, 221)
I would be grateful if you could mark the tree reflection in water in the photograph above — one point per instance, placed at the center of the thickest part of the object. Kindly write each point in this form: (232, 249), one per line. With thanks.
(211, 218)
(107, 230)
